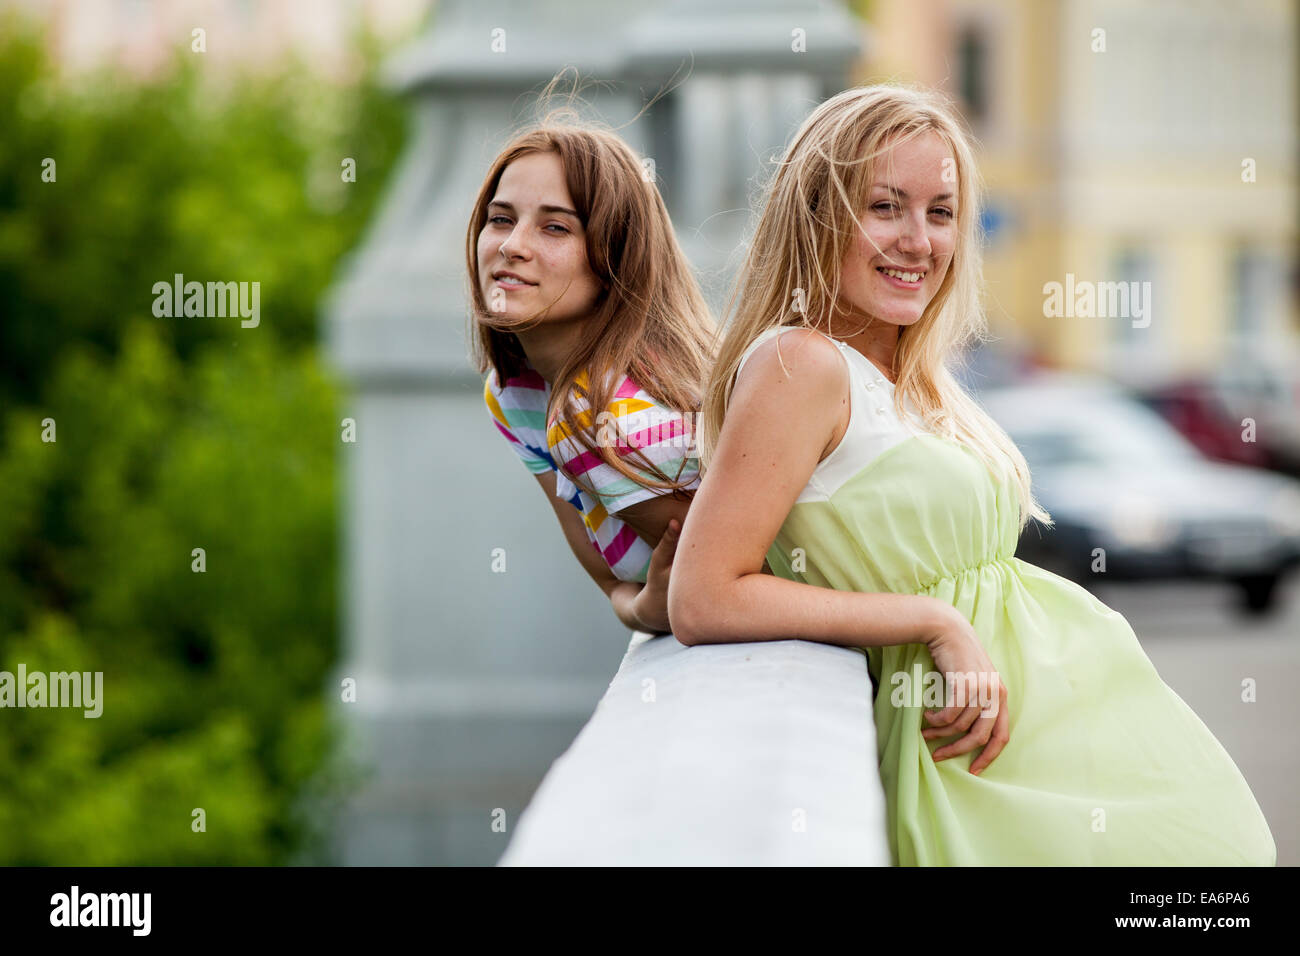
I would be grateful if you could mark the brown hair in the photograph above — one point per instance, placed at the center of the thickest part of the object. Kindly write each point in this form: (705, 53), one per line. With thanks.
(650, 323)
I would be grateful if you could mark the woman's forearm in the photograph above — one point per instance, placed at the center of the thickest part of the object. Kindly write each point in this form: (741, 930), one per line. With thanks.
(761, 607)
(622, 597)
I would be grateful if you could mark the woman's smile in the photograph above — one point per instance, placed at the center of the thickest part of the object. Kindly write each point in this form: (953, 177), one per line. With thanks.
(511, 282)
(903, 278)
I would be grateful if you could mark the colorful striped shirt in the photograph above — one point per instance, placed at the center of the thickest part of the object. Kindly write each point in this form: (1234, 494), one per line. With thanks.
(633, 420)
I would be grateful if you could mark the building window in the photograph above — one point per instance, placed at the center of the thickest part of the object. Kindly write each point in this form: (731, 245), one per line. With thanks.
(1133, 268)
(1258, 287)
(973, 66)
(1139, 345)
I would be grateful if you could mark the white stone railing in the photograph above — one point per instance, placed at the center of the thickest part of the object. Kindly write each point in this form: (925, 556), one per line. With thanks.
(717, 755)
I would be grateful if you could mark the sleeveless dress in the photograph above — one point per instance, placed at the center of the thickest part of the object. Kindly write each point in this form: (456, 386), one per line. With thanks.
(1105, 765)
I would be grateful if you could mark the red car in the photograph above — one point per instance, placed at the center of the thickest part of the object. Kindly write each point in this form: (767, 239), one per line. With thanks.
(1196, 410)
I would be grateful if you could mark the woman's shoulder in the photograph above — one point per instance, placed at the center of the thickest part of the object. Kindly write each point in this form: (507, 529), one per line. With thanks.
(524, 381)
(799, 353)
(796, 384)
(627, 400)
(631, 421)
(519, 400)
(518, 409)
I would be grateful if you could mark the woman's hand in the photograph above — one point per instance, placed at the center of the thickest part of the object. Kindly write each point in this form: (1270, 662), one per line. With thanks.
(956, 650)
(651, 604)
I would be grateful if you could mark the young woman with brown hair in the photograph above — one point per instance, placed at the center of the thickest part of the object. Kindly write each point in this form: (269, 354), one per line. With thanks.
(582, 299)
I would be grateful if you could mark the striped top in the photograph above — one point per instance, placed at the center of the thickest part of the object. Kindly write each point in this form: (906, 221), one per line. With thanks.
(633, 420)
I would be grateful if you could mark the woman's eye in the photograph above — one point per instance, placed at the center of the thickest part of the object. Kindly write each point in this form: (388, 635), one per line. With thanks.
(944, 212)
(883, 207)
(556, 225)
(498, 219)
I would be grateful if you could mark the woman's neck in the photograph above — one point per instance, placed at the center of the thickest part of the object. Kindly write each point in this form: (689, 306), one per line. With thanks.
(878, 341)
(548, 347)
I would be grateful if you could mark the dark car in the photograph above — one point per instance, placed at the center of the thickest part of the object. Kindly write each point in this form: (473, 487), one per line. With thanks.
(1131, 498)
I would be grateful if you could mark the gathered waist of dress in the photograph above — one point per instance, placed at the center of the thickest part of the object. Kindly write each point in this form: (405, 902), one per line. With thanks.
(979, 566)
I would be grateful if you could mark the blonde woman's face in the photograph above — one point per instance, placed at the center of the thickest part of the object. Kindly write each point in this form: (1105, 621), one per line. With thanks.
(532, 250)
(908, 230)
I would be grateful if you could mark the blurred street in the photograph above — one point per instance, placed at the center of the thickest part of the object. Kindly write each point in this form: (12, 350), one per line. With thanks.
(1203, 649)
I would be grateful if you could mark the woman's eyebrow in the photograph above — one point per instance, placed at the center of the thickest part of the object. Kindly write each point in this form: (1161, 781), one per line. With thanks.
(504, 204)
(903, 195)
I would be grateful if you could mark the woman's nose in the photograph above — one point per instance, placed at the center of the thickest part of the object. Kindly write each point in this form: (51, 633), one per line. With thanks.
(515, 247)
(912, 237)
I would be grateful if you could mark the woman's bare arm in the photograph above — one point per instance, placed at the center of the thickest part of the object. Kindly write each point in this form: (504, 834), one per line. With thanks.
(650, 518)
(778, 428)
(623, 595)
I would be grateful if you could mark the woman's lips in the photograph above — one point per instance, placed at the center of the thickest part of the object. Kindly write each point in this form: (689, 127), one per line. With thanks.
(899, 283)
(511, 284)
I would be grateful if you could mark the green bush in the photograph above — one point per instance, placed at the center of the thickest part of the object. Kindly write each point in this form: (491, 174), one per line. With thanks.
(232, 182)
(213, 680)
(172, 434)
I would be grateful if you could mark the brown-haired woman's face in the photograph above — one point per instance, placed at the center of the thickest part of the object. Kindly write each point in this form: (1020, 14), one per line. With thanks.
(532, 251)
(910, 224)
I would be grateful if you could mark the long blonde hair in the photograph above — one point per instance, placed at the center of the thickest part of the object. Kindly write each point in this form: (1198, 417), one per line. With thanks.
(808, 224)
(650, 323)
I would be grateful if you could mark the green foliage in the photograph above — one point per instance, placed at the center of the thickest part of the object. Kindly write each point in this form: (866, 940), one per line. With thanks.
(213, 680)
(233, 182)
(172, 435)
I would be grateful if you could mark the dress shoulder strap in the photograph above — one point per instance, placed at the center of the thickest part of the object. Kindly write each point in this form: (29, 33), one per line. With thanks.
(768, 334)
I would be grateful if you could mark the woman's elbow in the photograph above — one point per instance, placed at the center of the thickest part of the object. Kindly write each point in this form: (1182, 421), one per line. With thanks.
(684, 607)
(693, 612)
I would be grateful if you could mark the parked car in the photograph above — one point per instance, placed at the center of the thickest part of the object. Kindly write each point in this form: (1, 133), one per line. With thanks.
(1210, 410)
(1196, 409)
(1115, 476)
(1266, 390)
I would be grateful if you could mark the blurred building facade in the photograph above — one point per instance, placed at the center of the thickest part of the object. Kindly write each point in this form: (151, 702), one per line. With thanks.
(138, 37)
(1122, 142)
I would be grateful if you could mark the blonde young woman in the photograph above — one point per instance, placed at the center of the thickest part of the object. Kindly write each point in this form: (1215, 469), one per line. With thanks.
(838, 445)
(582, 299)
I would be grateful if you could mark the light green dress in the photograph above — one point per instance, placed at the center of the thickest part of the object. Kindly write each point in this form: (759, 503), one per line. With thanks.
(1106, 765)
